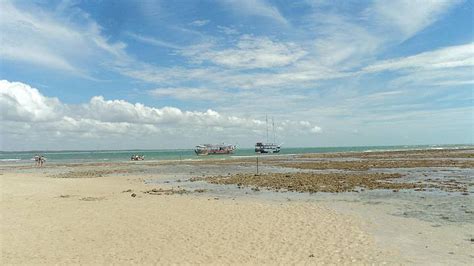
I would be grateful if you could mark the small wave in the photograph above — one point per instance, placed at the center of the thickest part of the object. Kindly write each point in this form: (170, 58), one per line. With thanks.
(10, 160)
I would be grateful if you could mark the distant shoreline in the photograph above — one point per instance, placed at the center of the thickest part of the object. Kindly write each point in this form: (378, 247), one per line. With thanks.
(408, 146)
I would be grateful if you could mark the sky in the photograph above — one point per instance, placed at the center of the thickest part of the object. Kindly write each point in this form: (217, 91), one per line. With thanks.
(156, 74)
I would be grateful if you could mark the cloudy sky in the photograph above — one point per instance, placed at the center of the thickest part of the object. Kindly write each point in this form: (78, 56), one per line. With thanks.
(172, 74)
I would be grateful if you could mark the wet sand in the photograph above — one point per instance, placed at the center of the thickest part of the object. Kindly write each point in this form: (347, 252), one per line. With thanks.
(168, 212)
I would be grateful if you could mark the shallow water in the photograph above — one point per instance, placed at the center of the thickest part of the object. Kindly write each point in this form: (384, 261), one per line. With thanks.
(433, 205)
(183, 154)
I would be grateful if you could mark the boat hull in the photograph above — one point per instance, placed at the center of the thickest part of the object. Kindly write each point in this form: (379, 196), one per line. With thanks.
(267, 148)
(214, 149)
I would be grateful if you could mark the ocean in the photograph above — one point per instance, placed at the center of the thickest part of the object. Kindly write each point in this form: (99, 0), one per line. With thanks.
(9, 157)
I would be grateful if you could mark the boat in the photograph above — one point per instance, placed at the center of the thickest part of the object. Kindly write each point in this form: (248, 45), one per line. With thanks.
(268, 147)
(211, 149)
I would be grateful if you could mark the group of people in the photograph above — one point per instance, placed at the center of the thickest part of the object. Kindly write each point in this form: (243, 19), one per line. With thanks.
(39, 160)
(137, 157)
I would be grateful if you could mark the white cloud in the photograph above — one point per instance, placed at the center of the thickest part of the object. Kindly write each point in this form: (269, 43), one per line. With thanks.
(153, 41)
(200, 23)
(20, 102)
(258, 8)
(449, 77)
(368, 31)
(316, 129)
(25, 108)
(448, 66)
(335, 33)
(305, 123)
(186, 93)
(448, 57)
(228, 30)
(250, 52)
(43, 38)
(407, 17)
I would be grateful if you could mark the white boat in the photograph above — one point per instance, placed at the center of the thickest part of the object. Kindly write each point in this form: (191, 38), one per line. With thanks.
(208, 149)
(268, 147)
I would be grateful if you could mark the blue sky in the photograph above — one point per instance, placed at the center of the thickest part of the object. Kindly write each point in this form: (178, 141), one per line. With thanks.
(97, 74)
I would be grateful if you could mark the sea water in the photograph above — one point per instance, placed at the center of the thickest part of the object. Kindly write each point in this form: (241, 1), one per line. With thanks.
(9, 157)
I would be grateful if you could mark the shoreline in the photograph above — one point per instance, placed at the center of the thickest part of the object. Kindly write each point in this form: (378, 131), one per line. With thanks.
(176, 154)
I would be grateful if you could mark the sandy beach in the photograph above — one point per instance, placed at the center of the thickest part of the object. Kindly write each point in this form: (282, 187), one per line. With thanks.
(175, 212)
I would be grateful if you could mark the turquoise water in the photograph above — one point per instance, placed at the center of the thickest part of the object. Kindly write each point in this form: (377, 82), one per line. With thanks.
(124, 155)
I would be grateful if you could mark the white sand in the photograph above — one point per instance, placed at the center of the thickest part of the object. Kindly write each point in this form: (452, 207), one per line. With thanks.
(40, 226)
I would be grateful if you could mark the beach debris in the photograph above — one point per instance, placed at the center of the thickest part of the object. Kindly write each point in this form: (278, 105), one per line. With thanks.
(313, 182)
(89, 173)
(161, 191)
(128, 190)
(364, 165)
(195, 178)
(403, 154)
(92, 198)
(311, 255)
(316, 182)
(133, 195)
(200, 190)
(64, 196)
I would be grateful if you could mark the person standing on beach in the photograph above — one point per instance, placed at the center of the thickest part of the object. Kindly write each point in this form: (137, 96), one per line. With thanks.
(37, 159)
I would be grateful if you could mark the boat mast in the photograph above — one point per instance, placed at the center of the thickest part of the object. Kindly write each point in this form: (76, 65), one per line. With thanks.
(266, 123)
(273, 127)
